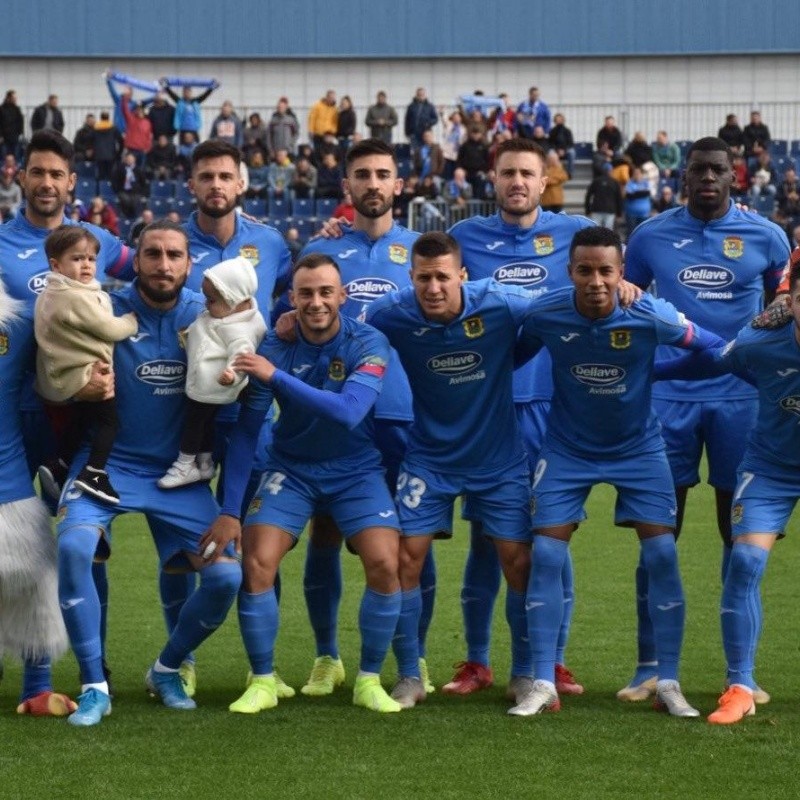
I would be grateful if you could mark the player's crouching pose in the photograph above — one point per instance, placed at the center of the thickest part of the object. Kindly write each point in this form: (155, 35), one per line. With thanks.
(322, 460)
(767, 490)
(601, 429)
(30, 622)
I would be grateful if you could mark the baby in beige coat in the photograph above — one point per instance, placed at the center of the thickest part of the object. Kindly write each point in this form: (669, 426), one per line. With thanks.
(75, 327)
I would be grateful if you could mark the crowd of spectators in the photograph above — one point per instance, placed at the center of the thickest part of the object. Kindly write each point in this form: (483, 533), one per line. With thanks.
(135, 155)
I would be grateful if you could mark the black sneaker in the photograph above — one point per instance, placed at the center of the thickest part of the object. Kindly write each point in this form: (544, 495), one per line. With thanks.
(96, 484)
(52, 475)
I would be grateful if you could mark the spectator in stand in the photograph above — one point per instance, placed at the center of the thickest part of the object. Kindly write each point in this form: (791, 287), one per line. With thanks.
(475, 119)
(458, 191)
(345, 209)
(304, 180)
(329, 177)
(140, 223)
(787, 214)
(255, 138)
(280, 172)
(732, 134)
(103, 215)
(756, 138)
(12, 125)
(621, 171)
(665, 200)
(258, 175)
(740, 188)
(186, 146)
(667, 156)
(129, 182)
(138, 136)
(122, 101)
(48, 116)
(293, 243)
(552, 198)
(107, 146)
(421, 116)
(505, 118)
(162, 160)
(540, 138)
(227, 127)
(602, 159)
(611, 135)
(637, 200)
(794, 237)
(10, 163)
(473, 158)
(560, 139)
(84, 139)
(638, 150)
(323, 120)
(283, 129)
(162, 117)
(188, 118)
(603, 201)
(381, 118)
(531, 113)
(345, 125)
(10, 195)
(455, 134)
(429, 159)
(765, 177)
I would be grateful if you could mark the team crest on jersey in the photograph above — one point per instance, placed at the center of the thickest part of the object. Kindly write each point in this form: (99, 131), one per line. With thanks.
(620, 340)
(3, 344)
(336, 370)
(473, 327)
(543, 244)
(737, 513)
(254, 507)
(398, 253)
(733, 247)
(183, 334)
(250, 252)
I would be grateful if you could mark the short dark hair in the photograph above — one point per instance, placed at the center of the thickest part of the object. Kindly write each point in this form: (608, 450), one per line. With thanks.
(710, 144)
(214, 148)
(595, 236)
(434, 245)
(65, 237)
(314, 260)
(519, 146)
(162, 225)
(369, 147)
(50, 141)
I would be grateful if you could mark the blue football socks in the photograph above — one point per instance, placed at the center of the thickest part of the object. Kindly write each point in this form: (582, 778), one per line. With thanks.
(478, 594)
(322, 587)
(377, 621)
(258, 622)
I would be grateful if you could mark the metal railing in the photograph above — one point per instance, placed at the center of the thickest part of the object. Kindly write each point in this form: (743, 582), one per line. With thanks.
(439, 215)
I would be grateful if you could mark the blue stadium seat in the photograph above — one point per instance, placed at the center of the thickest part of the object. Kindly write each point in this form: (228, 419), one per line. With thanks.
(162, 189)
(302, 207)
(305, 226)
(281, 225)
(125, 226)
(86, 186)
(765, 205)
(402, 150)
(683, 146)
(779, 148)
(183, 207)
(405, 166)
(784, 163)
(106, 191)
(794, 148)
(160, 206)
(278, 207)
(182, 191)
(85, 169)
(255, 207)
(583, 151)
(325, 206)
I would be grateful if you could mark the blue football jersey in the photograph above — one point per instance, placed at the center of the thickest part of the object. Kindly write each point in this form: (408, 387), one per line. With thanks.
(150, 375)
(357, 353)
(772, 358)
(714, 272)
(370, 269)
(602, 372)
(533, 258)
(460, 375)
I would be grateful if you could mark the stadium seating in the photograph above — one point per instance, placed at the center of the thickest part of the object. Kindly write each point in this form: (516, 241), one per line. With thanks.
(161, 206)
(583, 151)
(255, 207)
(683, 146)
(779, 148)
(125, 226)
(402, 150)
(162, 189)
(405, 166)
(85, 169)
(325, 206)
(278, 207)
(784, 163)
(183, 207)
(182, 191)
(305, 226)
(302, 207)
(106, 191)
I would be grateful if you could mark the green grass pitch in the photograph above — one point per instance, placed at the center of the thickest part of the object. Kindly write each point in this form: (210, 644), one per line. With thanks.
(447, 747)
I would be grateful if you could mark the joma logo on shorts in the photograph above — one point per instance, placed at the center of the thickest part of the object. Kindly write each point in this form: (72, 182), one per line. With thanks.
(522, 274)
(161, 373)
(365, 290)
(598, 374)
(454, 363)
(706, 276)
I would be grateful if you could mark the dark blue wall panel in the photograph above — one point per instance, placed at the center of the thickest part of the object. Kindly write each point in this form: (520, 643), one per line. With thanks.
(395, 28)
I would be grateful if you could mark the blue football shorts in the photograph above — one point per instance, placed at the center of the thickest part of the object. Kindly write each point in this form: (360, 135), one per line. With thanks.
(764, 499)
(723, 426)
(177, 517)
(562, 482)
(353, 491)
(500, 499)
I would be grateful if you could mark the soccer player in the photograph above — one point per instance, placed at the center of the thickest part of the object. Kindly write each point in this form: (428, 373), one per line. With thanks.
(602, 370)
(46, 182)
(520, 245)
(374, 256)
(715, 263)
(767, 490)
(456, 344)
(149, 375)
(322, 459)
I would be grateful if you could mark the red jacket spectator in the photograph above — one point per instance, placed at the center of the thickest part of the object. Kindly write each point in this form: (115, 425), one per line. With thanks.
(138, 130)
